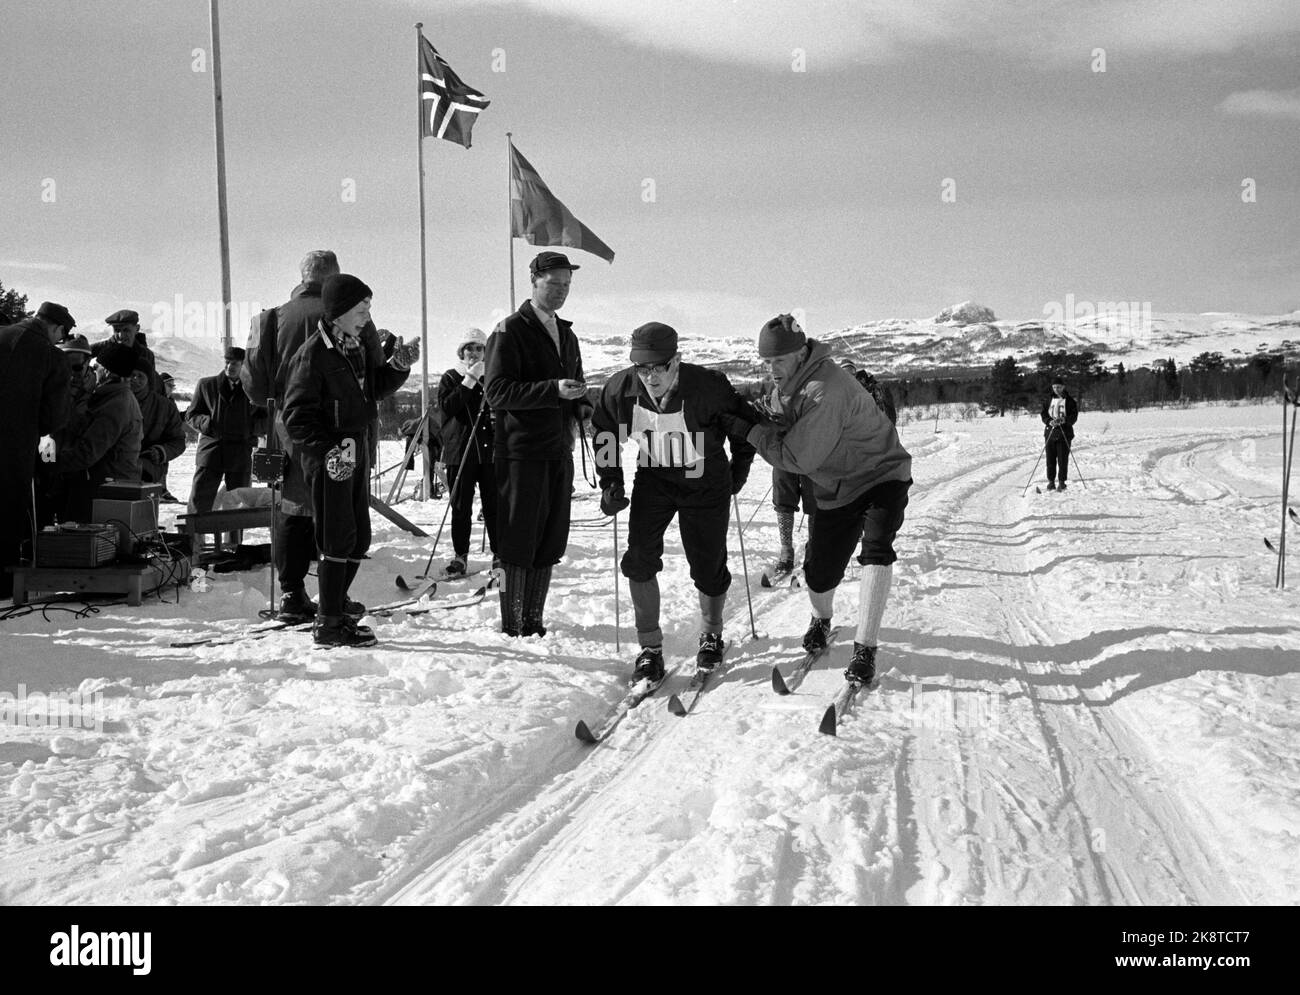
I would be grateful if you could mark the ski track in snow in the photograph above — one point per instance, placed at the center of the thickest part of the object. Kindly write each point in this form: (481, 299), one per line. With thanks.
(1086, 698)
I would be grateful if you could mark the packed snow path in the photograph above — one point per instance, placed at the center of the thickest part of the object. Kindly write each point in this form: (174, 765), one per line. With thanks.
(1088, 697)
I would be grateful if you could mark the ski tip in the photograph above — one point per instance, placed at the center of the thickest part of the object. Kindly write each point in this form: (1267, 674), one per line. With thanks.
(401, 582)
(584, 734)
(1271, 547)
(778, 682)
(764, 581)
(676, 707)
(827, 728)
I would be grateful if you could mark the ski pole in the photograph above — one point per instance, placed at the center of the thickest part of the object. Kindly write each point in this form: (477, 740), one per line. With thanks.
(470, 443)
(750, 520)
(744, 566)
(618, 647)
(1286, 483)
(1069, 448)
(1034, 472)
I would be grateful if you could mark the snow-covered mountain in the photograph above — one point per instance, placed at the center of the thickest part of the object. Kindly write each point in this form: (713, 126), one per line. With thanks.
(907, 346)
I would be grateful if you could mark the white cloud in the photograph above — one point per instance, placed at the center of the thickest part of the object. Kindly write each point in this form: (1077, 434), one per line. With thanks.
(1263, 103)
(40, 267)
(842, 32)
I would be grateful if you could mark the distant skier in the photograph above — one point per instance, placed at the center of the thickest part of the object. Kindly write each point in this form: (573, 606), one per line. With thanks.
(460, 399)
(673, 411)
(1060, 412)
(834, 433)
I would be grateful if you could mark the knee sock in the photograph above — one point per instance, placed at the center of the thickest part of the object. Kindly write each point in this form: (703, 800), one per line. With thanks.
(331, 578)
(512, 598)
(645, 609)
(785, 528)
(823, 604)
(711, 612)
(535, 590)
(873, 592)
(350, 575)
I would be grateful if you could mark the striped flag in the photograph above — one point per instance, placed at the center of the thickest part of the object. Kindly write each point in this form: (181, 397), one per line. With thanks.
(538, 217)
(450, 106)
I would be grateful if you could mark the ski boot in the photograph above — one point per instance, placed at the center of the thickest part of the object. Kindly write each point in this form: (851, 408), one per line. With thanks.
(1061, 486)
(1051, 485)
(649, 665)
(816, 638)
(455, 568)
(296, 608)
(710, 654)
(340, 630)
(778, 568)
(862, 668)
(353, 609)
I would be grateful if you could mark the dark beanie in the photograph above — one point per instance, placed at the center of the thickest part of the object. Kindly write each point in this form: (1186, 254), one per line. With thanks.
(117, 359)
(780, 336)
(341, 293)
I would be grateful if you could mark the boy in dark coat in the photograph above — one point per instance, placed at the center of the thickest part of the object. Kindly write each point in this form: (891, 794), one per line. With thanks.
(460, 399)
(672, 410)
(1060, 412)
(163, 432)
(330, 399)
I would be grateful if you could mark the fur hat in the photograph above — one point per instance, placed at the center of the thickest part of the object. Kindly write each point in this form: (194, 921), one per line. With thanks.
(474, 336)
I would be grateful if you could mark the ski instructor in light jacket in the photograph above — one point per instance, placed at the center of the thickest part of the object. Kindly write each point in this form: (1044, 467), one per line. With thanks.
(831, 430)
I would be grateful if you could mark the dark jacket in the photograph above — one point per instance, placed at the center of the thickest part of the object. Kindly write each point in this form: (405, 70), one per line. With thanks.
(162, 426)
(226, 420)
(699, 397)
(324, 402)
(33, 397)
(460, 406)
(519, 382)
(107, 442)
(1071, 416)
(268, 360)
(879, 393)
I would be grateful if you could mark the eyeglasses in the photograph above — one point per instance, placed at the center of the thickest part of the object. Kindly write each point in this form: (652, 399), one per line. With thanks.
(646, 369)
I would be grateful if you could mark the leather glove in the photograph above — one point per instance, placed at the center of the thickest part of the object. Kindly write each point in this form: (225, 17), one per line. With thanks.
(405, 354)
(612, 499)
(156, 454)
(734, 425)
(739, 475)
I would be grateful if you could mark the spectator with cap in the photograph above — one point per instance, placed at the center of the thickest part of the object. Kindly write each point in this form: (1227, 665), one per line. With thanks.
(228, 425)
(833, 432)
(105, 443)
(274, 339)
(330, 400)
(533, 382)
(168, 388)
(33, 402)
(467, 434)
(163, 431)
(673, 411)
(125, 328)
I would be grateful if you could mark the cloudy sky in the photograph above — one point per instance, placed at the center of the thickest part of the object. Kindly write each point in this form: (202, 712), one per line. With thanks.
(797, 153)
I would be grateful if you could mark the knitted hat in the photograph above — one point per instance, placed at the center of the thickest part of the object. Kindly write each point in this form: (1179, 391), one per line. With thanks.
(117, 359)
(55, 313)
(341, 293)
(780, 336)
(653, 342)
(474, 336)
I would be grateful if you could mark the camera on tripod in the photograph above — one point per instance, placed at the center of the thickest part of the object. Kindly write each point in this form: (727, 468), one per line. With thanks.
(269, 466)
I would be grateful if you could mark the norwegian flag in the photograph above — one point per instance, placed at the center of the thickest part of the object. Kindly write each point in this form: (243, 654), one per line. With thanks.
(449, 106)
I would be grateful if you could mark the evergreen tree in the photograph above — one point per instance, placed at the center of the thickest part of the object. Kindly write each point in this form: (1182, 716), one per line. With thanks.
(1005, 384)
(13, 306)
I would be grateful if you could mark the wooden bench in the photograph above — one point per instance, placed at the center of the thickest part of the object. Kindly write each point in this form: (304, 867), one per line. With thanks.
(113, 578)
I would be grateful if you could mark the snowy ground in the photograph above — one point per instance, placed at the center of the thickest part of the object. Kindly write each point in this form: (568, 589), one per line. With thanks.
(1089, 698)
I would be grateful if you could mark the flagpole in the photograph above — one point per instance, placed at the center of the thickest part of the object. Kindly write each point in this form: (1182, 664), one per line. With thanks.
(222, 223)
(510, 176)
(424, 293)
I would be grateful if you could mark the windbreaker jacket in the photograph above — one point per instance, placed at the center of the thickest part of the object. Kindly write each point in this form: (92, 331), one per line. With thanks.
(832, 432)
